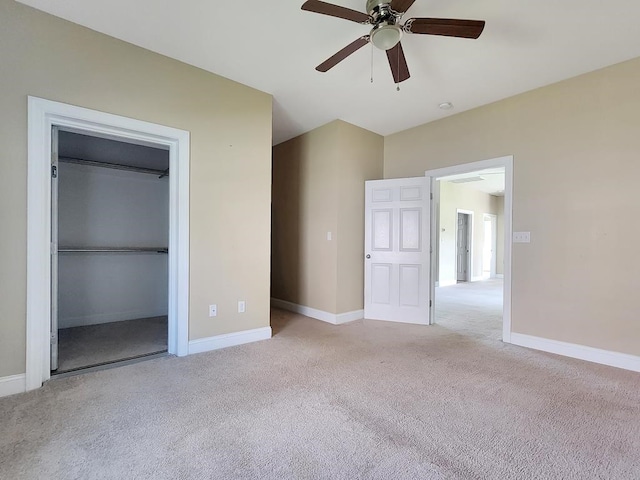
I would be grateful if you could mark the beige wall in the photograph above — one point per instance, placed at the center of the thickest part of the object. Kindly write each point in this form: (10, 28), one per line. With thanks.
(575, 146)
(318, 187)
(230, 127)
(304, 205)
(453, 197)
(360, 159)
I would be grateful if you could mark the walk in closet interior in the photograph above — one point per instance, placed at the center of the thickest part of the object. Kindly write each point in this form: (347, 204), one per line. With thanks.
(110, 228)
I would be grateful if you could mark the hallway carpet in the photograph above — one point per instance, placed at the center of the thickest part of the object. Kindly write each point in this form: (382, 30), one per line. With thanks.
(474, 308)
(365, 400)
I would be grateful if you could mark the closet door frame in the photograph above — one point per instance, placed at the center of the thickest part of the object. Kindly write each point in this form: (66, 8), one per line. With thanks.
(42, 116)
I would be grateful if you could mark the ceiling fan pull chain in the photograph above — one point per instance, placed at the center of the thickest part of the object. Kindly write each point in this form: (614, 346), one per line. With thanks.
(398, 83)
(371, 62)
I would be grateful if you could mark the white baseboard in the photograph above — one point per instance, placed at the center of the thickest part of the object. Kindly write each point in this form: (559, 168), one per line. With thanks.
(12, 385)
(349, 316)
(332, 318)
(100, 318)
(478, 279)
(447, 283)
(590, 354)
(228, 340)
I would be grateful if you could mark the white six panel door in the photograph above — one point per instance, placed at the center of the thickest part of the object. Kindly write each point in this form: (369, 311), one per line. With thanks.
(397, 250)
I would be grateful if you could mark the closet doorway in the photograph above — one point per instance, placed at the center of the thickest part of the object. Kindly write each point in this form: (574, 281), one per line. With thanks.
(109, 267)
(43, 115)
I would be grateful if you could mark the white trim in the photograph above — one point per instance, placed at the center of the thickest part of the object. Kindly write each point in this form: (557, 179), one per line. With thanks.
(12, 385)
(229, 340)
(478, 279)
(470, 167)
(332, 318)
(349, 316)
(590, 354)
(447, 283)
(42, 115)
(507, 163)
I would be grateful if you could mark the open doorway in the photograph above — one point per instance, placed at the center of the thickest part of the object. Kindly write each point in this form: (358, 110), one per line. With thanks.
(110, 222)
(471, 251)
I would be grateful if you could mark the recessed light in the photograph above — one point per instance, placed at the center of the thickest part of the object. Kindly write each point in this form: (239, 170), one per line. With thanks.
(446, 106)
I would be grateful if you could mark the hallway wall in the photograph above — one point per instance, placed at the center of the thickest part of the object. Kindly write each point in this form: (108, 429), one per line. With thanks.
(453, 197)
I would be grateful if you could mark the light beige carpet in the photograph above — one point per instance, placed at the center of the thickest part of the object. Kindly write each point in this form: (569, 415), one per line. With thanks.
(474, 308)
(366, 400)
(109, 342)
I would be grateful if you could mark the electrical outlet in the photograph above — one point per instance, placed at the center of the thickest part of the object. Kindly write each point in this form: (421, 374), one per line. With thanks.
(329, 236)
(241, 306)
(213, 310)
(521, 237)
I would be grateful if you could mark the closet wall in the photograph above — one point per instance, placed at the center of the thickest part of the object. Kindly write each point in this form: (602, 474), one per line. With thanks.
(102, 207)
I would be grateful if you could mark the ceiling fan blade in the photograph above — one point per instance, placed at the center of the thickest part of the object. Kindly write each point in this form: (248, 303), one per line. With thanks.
(401, 6)
(445, 26)
(335, 11)
(342, 54)
(398, 63)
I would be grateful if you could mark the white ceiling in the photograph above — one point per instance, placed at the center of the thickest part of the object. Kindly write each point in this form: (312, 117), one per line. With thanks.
(274, 46)
(490, 180)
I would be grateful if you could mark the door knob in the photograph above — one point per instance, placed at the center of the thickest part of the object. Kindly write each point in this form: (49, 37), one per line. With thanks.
(368, 256)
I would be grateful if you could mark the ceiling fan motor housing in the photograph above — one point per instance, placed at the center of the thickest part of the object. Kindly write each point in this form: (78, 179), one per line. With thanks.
(386, 32)
(374, 6)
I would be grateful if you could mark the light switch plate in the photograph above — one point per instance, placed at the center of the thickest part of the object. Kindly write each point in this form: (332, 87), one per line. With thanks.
(521, 237)
(213, 310)
(241, 306)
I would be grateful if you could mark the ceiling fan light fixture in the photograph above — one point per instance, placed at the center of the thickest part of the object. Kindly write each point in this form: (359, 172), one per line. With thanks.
(385, 36)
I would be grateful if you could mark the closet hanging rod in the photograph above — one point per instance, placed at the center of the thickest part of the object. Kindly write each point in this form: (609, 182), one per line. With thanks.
(115, 166)
(113, 250)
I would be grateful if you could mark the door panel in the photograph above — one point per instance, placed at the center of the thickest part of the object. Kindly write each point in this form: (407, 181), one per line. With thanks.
(382, 230)
(397, 250)
(462, 250)
(410, 229)
(410, 285)
(381, 283)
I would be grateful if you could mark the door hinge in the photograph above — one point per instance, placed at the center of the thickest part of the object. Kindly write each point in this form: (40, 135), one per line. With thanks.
(430, 303)
(431, 196)
(53, 338)
(54, 171)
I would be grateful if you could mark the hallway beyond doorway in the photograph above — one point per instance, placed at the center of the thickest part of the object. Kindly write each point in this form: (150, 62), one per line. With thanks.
(473, 308)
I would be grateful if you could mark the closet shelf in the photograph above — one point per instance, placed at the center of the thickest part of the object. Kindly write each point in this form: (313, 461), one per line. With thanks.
(115, 166)
(163, 250)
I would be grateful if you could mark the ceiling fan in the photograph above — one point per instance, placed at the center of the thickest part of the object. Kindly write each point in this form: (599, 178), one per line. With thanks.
(385, 16)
